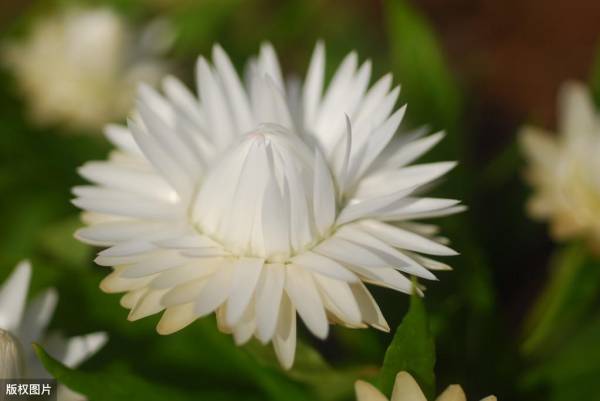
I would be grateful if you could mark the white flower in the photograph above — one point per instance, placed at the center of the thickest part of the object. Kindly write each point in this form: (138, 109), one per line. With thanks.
(258, 200)
(81, 67)
(407, 389)
(565, 170)
(21, 325)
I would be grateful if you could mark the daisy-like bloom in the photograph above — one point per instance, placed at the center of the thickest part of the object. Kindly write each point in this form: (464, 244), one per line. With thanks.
(407, 389)
(21, 325)
(257, 200)
(82, 67)
(564, 170)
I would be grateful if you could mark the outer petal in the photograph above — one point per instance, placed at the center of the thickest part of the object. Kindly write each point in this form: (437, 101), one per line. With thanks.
(13, 294)
(367, 392)
(453, 393)
(406, 389)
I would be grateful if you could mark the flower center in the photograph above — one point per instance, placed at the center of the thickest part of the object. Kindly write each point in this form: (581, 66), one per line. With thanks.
(257, 198)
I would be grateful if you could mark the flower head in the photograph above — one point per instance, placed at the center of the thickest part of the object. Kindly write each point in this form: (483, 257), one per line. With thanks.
(407, 389)
(81, 67)
(260, 199)
(565, 170)
(21, 325)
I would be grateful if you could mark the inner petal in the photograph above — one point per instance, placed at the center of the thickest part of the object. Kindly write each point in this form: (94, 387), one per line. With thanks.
(257, 198)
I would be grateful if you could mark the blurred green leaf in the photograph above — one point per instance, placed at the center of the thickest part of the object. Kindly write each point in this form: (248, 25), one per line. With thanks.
(327, 382)
(571, 293)
(197, 24)
(110, 386)
(427, 83)
(411, 350)
(570, 372)
(58, 241)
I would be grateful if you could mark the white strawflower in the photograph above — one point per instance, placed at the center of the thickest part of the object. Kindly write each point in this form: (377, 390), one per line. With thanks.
(258, 200)
(21, 325)
(407, 389)
(81, 67)
(565, 170)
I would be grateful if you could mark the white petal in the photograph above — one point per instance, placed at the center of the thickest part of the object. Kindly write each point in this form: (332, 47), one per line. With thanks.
(313, 86)
(371, 207)
(243, 330)
(214, 102)
(269, 65)
(191, 271)
(349, 253)
(323, 195)
(367, 392)
(338, 298)
(120, 137)
(384, 182)
(148, 304)
(392, 256)
(380, 139)
(37, 316)
(284, 341)
(246, 272)
(165, 260)
(268, 298)
(176, 318)
(185, 292)
(215, 292)
(324, 265)
(170, 170)
(301, 289)
(406, 389)
(13, 295)
(82, 347)
(236, 93)
(405, 239)
(577, 112)
(452, 393)
(128, 180)
(369, 309)
(409, 152)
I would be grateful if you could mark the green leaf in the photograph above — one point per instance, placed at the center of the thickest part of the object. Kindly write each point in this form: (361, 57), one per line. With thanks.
(110, 386)
(570, 372)
(571, 293)
(411, 350)
(427, 83)
(326, 382)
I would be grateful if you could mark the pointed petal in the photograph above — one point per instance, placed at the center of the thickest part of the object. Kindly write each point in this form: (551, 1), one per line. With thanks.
(406, 389)
(13, 295)
(284, 341)
(301, 289)
(246, 272)
(367, 392)
(313, 86)
(83, 347)
(268, 298)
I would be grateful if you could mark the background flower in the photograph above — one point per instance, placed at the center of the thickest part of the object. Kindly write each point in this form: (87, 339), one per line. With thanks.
(81, 66)
(23, 324)
(407, 389)
(564, 170)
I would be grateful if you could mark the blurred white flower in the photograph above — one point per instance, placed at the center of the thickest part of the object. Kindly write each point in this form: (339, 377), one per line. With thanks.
(564, 170)
(259, 199)
(21, 325)
(81, 67)
(407, 389)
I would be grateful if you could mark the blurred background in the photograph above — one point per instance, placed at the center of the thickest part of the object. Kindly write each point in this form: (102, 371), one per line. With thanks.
(518, 317)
